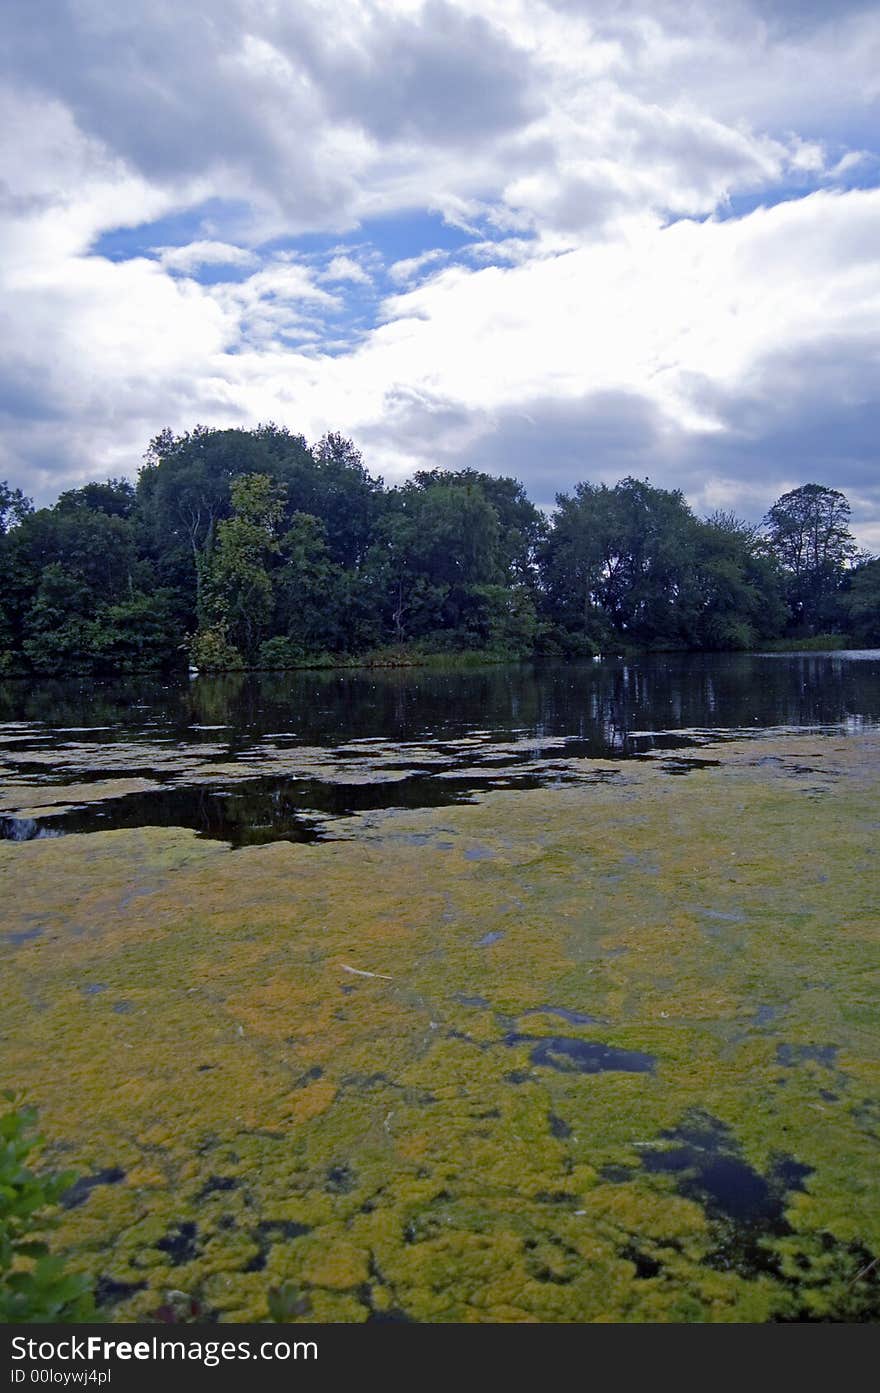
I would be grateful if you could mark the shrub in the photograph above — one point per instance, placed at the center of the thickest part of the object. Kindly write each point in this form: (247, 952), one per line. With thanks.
(34, 1285)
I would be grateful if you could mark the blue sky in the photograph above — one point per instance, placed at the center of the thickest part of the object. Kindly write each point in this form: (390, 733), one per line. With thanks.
(365, 267)
(558, 238)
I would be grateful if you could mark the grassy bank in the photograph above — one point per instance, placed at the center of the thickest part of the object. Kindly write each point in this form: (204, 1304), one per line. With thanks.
(816, 643)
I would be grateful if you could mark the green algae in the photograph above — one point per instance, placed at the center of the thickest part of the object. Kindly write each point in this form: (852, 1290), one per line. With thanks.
(392, 1149)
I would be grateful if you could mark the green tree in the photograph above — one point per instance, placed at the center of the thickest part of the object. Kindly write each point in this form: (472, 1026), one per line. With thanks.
(807, 531)
(343, 496)
(237, 587)
(860, 602)
(309, 593)
(14, 507)
(115, 497)
(437, 544)
(617, 562)
(59, 622)
(735, 591)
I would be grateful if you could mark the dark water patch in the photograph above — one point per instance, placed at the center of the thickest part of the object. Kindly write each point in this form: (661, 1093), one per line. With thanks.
(340, 1180)
(479, 853)
(81, 1189)
(25, 829)
(645, 1265)
(244, 817)
(488, 939)
(687, 766)
(267, 1233)
(765, 1014)
(788, 1174)
(477, 1003)
(616, 1175)
(366, 1083)
(855, 1272)
(22, 936)
(388, 1313)
(389, 1309)
(216, 1185)
(310, 1076)
(558, 1128)
(123, 1008)
(789, 1056)
(93, 988)
(109, 1291)
(582, 1056)
(258, 811)
(746, 1208)
(724, 1182)
(180, 1243)
(572, 1017)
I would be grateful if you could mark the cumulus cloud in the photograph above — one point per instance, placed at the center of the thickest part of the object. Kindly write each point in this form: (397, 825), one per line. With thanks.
(344, 268)
(410, 266)
(194, 255)
(664, 263)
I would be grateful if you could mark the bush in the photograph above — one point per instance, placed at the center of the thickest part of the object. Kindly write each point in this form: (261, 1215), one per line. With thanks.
(211, 650)
(33, 1283)
(282, 653)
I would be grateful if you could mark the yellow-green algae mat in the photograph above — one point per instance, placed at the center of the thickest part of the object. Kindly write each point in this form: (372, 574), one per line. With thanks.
(617, 1060)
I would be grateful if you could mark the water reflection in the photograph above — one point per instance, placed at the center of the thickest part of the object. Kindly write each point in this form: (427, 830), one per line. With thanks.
(413, 737)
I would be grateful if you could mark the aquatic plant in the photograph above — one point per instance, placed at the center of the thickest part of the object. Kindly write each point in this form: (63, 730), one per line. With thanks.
(35, 1284)
(602, 1051)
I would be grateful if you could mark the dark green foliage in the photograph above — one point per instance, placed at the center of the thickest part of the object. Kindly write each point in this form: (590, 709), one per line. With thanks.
(860, 603)
(116, 498)
(249, 548)
(14, 507)
(34, 1285)
(808, 534)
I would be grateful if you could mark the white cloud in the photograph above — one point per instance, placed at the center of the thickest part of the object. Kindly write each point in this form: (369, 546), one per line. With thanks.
(590, 337)
(408, 268)
(344, 268)
(192, 256)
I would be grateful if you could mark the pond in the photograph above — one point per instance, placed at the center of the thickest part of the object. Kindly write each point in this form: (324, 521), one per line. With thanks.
(251, 758)
(518, 993)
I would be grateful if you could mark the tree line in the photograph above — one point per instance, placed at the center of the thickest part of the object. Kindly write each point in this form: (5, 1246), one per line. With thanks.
(252, 548)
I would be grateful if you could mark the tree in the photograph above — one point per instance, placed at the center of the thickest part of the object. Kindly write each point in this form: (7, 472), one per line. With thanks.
(618, 560)
(14, 507)
(861, 602)
(437, 544)
(237, 588)
(807, 531)
(308, 589)
(736, 591)
(116, 498)
(343, 496)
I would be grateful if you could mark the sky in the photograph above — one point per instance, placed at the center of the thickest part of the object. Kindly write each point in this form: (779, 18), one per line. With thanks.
(559, 239)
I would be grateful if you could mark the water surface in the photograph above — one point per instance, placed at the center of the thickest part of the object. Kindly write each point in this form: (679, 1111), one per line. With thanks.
(250, 758)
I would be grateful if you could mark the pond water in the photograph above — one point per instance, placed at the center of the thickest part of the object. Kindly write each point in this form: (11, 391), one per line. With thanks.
(601, 1050)
(252, 758)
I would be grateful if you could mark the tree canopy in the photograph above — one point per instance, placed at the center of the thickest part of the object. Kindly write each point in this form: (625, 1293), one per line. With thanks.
(253, 548)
